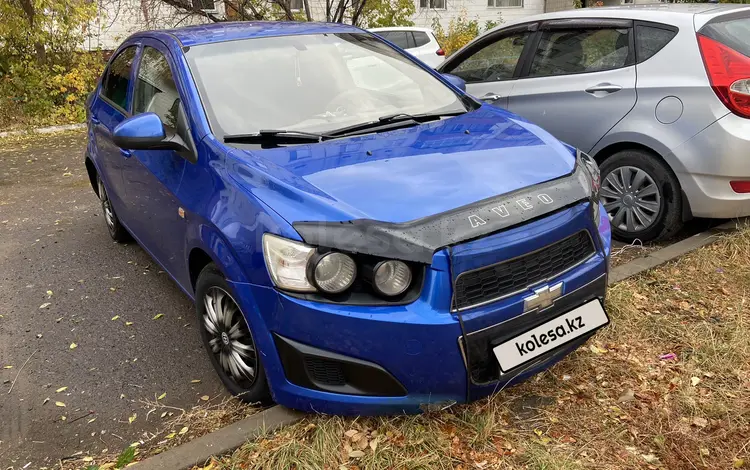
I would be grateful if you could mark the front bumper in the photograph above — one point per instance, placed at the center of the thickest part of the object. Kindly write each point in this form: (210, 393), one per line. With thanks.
(717, 155)
(416, 345)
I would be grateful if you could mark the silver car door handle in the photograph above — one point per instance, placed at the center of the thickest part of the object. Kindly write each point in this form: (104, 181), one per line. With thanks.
(604, 87)
(490, 97)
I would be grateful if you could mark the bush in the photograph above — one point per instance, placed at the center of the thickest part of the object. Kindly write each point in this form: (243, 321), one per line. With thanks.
(460, 32)
(44, 78)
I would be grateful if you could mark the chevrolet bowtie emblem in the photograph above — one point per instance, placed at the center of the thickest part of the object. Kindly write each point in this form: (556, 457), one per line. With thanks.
(543, 297)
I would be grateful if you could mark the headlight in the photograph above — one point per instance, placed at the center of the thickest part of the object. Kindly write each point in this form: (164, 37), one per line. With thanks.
(333, 272)
(287, 262)
(391, 278)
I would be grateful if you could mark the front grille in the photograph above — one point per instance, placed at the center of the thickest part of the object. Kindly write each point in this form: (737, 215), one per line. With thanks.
(494, 282)
(324, 372)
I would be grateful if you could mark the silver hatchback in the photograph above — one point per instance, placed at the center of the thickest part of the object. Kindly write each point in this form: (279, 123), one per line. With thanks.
(658, 94)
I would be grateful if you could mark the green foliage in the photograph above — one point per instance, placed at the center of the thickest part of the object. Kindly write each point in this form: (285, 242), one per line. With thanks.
(382, 13)
(44, 79)
(461, 30)
(127, 456)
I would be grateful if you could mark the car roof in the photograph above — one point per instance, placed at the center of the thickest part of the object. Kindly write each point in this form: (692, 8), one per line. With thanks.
(400, 28)
(232, 31)
(659, 12)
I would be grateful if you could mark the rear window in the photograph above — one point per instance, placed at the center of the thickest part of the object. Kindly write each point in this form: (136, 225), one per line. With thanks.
(420, 38)
(651, 39)
(732, 31)
(398, 38)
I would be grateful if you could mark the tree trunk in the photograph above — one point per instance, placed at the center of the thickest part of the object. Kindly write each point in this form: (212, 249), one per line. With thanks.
(39, 51)
(358, 12)
(307, 10)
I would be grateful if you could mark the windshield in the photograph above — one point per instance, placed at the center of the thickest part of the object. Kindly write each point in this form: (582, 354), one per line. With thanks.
(311, 83)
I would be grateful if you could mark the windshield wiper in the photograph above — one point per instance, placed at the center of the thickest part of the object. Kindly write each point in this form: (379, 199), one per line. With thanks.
(276, 136)
(391, 121)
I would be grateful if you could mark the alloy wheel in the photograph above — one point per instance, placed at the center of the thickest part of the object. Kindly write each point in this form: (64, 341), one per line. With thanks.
(631, 198)
(109, 215)
(231, 341)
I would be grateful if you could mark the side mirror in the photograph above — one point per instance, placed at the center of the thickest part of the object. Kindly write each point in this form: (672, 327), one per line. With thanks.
(146, 132)
(455, 81)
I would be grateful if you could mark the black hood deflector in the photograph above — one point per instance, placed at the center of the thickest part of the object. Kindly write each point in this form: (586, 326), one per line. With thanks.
(419, 239)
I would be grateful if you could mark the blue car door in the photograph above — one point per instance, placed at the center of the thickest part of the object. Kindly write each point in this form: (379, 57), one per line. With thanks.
(152, 177)
(109, 108)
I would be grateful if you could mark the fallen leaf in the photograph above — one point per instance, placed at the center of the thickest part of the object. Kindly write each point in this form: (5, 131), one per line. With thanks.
(112, 289)
(92, 420)
(60, 404)
(195, 381)
(49, 293)
(45, 401)
(627, 396)
(116, 317)
(67, 173)
(162, 396)
(164, 414)
(374, 444)
(73, 345)
(88, 459)
(171, 435)
(351, 433)
(695, 381)
(738, 463)
(158, 316)
(597, 350)
(700, 422)
(128, 323)
(356, 454)
(650, 458)
(205, 398)
(132, 418)
(45, 305)
(7, 367)
(183, 430)
(61, 389)
(704, 452)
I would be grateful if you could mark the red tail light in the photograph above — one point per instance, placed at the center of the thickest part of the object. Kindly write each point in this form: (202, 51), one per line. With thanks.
(440, 52)
(729, 74)
(740, 186)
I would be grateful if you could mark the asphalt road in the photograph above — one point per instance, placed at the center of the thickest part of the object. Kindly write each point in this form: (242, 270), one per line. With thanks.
(62, 280)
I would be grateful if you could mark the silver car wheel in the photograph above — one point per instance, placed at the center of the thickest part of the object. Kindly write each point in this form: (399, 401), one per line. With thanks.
(231, 341)
(631, 198)
(109, 215)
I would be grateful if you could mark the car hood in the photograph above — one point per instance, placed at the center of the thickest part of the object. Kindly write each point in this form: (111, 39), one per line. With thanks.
(405, 174)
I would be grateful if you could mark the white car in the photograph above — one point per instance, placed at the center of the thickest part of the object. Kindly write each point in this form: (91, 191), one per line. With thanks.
(419, 42)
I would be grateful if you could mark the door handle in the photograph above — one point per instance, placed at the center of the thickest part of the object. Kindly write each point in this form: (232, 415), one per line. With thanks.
(490, 97)
(604, 88)
(126, 153)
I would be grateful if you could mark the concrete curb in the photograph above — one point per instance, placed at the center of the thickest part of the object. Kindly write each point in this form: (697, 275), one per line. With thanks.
(227, 439)
(671, 252)
(43, 130)
(223, 441)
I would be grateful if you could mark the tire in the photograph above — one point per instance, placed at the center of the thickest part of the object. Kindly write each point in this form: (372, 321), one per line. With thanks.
(115, 228)
(242, 373)
(649, 204)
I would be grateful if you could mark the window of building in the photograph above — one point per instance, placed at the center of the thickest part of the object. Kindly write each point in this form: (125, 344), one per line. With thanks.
(504, 3)
(432, 4)
(297, 5)
(207, 5)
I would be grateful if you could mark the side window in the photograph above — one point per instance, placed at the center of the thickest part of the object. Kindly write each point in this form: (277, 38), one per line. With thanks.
(494, 62)
(117, 79)
(398, 38)
(650, 40)
(155, 89)
(420, 38)
(564, 52)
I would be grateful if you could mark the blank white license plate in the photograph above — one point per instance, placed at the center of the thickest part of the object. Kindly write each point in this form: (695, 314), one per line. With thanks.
(550, 335)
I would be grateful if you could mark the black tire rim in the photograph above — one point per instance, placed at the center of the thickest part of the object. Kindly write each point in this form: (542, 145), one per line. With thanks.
(229, 338)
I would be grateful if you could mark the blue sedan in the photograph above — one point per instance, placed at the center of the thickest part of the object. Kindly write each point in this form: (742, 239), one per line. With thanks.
(359, 235)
